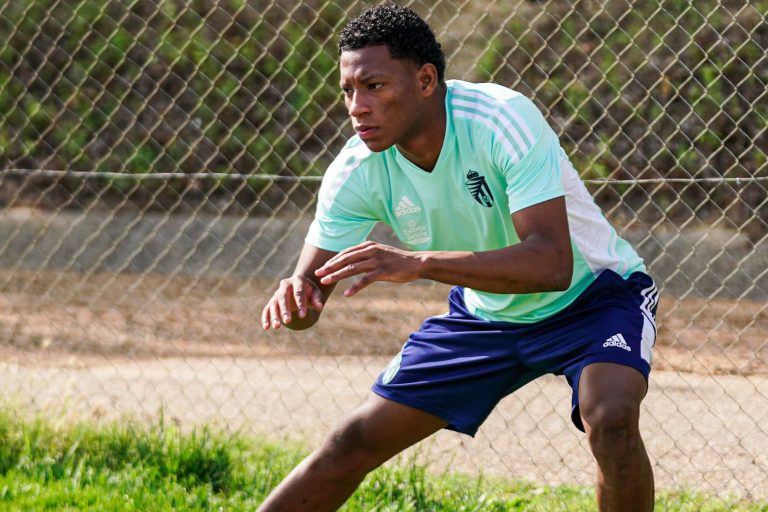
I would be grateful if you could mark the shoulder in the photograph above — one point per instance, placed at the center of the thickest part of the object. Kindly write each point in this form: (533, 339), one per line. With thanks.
(347, 171)
(352, 156)
(502, 114)
(482, 91)
(494, 101)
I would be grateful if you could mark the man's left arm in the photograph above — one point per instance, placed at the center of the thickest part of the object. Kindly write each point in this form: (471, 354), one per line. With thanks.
(541, 262)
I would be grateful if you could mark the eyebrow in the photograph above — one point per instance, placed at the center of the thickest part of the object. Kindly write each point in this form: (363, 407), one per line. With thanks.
(369, 76)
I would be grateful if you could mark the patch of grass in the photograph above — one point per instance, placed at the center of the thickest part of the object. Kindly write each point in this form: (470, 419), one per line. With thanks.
(126, 466)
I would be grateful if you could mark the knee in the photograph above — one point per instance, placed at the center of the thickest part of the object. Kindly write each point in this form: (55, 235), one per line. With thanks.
(345, 452)
(612, 429)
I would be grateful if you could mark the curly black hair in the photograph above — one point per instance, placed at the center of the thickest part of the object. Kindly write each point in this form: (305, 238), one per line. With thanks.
(399, 28)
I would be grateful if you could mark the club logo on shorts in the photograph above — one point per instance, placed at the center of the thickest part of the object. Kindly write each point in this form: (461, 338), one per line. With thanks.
(479, 188)
(392, 368)
(617, 340)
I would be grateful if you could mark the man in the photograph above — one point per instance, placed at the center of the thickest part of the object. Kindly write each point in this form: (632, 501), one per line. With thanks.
(474, 182)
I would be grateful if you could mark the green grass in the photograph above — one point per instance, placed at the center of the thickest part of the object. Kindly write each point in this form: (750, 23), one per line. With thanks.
(129, 467)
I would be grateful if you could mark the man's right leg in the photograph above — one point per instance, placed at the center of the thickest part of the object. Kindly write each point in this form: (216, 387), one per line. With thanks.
(368, 437)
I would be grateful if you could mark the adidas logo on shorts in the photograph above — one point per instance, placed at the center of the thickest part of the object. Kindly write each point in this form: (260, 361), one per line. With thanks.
(617, 340)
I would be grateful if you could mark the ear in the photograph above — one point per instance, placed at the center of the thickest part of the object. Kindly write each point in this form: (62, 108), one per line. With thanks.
(427, 78)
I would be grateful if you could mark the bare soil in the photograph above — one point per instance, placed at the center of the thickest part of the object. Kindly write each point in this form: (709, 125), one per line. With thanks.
(106, 346)
(59, 317)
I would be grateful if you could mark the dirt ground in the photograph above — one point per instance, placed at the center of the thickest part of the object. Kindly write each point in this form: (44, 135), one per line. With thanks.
(53, 318)
(105, 346)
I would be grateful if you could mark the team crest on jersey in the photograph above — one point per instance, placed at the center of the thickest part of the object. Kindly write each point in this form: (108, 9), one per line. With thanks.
(479, 189)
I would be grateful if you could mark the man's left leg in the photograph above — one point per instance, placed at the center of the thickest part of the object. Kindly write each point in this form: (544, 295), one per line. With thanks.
(609, 403)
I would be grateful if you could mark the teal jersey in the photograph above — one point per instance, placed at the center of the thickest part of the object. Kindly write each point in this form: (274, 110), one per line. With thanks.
(499, 156)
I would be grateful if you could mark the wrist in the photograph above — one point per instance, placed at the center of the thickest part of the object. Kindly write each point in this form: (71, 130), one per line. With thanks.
(425, 261)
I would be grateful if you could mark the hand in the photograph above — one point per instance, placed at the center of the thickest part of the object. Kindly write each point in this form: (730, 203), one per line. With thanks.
(295, 293)
(375, 261)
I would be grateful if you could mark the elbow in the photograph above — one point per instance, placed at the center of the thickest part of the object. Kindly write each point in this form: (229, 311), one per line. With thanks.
(561, 281)
(562, 274)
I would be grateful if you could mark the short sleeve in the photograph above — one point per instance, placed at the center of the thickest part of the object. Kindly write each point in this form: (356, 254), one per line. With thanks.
(343, 217)
(529, 158)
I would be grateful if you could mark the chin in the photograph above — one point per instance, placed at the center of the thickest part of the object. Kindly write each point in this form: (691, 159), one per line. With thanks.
(377, 147)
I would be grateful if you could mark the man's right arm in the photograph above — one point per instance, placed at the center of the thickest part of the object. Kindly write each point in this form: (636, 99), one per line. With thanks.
(299, 299)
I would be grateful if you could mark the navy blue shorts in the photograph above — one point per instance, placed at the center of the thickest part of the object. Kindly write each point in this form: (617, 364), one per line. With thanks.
(459, 366)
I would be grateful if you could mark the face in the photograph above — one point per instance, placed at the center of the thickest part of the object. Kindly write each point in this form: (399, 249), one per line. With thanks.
(384, 96)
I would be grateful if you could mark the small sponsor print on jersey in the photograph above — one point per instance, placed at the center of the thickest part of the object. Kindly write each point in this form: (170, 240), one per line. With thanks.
(415, 233)
(617, 340)
(406, 207)
(479, 188)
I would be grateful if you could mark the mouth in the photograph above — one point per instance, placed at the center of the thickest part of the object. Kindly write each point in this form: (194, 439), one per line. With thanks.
(366, 132)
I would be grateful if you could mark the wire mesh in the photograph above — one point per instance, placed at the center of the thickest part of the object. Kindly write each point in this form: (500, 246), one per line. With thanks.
(159, 165)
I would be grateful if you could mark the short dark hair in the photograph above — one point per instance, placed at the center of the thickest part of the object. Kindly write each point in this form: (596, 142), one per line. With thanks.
(399, 28)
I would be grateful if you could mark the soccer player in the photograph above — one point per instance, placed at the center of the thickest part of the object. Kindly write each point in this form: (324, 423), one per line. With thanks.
(475, 184)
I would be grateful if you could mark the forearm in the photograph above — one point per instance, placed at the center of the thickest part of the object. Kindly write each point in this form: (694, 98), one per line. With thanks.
(537, 264)
(528, 267)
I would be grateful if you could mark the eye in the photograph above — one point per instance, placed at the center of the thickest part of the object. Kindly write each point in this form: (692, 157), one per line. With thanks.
(374, 86)
(346, 90)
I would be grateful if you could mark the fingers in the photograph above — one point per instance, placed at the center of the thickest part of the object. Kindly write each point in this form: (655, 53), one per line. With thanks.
(282, 302)
(372, 260)
(316, 299)
(349, 270)
(350, 250)
(361, 283)
(265, 317)
(300, 299)
(270, 316)
(277, 311)
(344, 258)
(294, 294)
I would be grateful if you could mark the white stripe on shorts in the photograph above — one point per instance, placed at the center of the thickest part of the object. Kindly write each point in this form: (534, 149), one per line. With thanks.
(648, 340)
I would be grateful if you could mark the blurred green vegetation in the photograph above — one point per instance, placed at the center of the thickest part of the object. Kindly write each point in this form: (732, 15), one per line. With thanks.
(170, 86)
(662, 89)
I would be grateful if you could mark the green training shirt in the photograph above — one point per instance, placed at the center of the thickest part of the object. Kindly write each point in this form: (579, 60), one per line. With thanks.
(498, 157)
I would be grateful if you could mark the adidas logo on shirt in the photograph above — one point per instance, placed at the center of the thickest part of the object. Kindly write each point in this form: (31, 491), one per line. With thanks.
(406, 207)
(617, 340)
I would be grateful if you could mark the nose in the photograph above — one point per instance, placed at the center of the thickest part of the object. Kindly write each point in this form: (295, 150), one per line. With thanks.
(356, 104)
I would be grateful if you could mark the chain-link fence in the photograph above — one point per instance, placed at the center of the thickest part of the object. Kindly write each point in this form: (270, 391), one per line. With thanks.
(160, 160)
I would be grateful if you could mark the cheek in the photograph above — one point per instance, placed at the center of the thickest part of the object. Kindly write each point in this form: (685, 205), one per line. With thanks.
(406, 115)
(400, 110)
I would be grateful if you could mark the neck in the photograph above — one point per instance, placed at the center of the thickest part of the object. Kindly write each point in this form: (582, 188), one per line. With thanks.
(424, 145)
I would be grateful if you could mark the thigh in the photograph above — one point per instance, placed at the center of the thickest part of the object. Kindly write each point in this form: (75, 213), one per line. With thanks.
(610, 390)
(381, 428)
(457, 367)
(611, 330)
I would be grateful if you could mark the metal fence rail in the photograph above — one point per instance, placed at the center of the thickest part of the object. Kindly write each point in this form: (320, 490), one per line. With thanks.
(158, 165)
